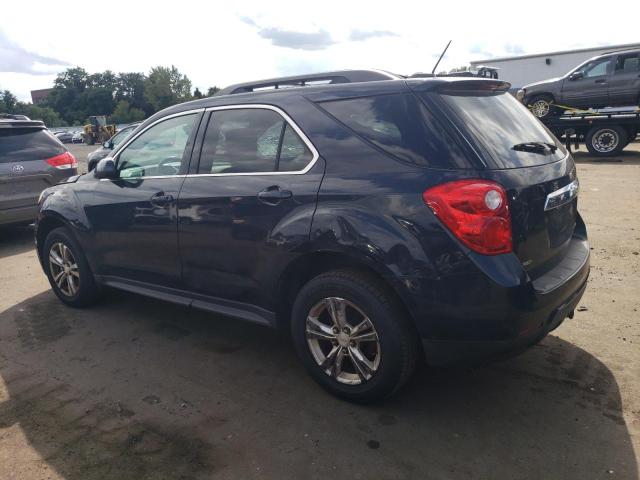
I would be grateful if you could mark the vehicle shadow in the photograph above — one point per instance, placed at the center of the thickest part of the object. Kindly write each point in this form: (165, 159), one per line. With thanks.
(137, 388)
(15, 240)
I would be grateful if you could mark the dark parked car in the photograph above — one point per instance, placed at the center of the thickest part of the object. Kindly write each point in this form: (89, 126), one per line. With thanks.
(31, 159)
(376, 218)
(107, 147)
(64, 137)
(609, 80)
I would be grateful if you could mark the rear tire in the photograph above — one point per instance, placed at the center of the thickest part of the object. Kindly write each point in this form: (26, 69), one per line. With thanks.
(606, 141)
(377, 343)
(68, 270)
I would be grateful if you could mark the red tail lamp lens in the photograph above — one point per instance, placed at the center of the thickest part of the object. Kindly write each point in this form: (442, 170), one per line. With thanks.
(476, 212)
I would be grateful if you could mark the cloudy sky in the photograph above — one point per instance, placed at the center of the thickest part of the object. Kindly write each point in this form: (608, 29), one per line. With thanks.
(218, 43)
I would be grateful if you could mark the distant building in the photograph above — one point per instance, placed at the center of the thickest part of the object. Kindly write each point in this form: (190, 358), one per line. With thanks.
(525, 69)
(39, 96)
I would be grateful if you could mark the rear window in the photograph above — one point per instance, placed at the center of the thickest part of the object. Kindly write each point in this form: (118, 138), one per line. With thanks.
(500, 124)
(21, 145)
(400, 125)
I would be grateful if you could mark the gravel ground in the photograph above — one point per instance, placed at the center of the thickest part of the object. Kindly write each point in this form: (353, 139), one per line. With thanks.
(136, 388)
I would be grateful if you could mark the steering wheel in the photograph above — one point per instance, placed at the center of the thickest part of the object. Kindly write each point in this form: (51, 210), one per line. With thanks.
(169, 166)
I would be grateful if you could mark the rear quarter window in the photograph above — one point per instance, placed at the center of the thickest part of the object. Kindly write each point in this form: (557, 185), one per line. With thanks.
(401, 126)
(21, 145)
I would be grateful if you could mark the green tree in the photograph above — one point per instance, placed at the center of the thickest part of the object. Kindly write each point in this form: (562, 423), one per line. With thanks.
(75, 78)
(36, 112)
(212, 91)
(130, 87)
(197, 93)
(8, 102)
(165, 87)
(125, 113)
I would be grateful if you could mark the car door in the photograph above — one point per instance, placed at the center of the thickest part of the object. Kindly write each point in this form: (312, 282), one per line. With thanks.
(588, 85)
(624, 86)
(249, 205)
(134, 217)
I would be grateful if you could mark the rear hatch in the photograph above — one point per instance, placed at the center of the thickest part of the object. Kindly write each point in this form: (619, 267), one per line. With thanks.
(519, 153)
(24, 171)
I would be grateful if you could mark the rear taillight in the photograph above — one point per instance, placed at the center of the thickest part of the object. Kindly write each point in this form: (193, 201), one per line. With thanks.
(476, 212)
(63, 161)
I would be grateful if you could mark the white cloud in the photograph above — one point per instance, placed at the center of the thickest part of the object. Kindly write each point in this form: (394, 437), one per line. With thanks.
(217, 43)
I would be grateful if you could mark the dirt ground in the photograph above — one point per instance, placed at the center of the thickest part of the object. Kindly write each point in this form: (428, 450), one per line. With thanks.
(136, 388)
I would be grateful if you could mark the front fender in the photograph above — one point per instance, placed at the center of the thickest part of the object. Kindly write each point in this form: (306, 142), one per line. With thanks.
(61, 205)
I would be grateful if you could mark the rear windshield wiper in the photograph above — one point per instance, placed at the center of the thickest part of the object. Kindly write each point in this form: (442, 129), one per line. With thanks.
(535, 147)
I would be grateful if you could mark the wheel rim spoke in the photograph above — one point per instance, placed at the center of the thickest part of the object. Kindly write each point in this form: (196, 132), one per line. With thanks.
(330, 359)
(365, 337)
(338, 310)
(363, 365)
(316, 329)
(55, 258)
(62, 277)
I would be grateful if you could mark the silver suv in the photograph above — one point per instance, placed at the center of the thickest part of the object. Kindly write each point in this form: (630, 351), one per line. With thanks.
(609, 80)
(31, 159)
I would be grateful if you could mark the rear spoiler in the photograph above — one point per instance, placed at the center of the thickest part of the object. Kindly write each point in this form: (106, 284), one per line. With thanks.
(460, 86)
(35, 124)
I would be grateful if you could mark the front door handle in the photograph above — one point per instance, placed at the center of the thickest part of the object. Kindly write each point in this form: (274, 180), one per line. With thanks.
(161, 200)
(601, 81)
(274, 195)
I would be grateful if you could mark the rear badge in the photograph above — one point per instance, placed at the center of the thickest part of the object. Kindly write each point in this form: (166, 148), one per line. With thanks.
(562, 196)
(17, 169)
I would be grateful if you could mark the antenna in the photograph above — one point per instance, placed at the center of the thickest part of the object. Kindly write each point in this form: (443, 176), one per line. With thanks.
(433, 72)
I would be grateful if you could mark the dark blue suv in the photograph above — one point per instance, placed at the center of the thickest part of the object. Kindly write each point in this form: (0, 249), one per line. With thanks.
(377, 218)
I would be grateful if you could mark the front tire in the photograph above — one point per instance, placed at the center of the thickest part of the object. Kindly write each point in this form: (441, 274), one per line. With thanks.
(68, 270)
(352, 336)
(542, 107)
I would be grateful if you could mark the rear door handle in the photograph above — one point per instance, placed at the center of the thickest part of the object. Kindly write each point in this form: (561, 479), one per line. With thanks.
(161, 200)
(601, 81)
(274, 195)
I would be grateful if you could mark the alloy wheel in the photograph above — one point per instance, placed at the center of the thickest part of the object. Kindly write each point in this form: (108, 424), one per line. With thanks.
(64, 269)
(343, 340)
(540, 108)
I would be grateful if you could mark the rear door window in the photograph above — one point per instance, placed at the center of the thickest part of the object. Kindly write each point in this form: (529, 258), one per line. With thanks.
(629, 63)
(251, 140)
(401, 126)
(504, 128)
(24, 144)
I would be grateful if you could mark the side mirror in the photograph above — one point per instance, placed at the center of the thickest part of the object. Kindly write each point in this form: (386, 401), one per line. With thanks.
(106, 168)
(576, 76)
(108, 145)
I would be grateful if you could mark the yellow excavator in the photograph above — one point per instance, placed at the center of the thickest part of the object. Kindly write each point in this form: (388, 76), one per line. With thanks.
(97, 130)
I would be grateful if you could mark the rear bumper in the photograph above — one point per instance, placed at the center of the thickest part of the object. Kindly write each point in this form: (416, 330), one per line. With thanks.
(24, 214)
(450, 352)
(491, 307)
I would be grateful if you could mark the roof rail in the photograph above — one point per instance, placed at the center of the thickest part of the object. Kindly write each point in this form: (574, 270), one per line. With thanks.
(630, 49)
(339, 76)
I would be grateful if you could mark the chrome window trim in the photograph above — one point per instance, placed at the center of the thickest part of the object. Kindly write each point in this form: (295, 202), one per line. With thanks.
(287, 119)
(571, 191)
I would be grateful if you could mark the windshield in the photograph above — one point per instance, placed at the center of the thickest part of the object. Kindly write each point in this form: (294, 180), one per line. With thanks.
(505, 129)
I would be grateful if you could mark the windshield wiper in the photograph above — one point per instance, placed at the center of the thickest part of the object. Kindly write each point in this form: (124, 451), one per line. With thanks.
(535, 147)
